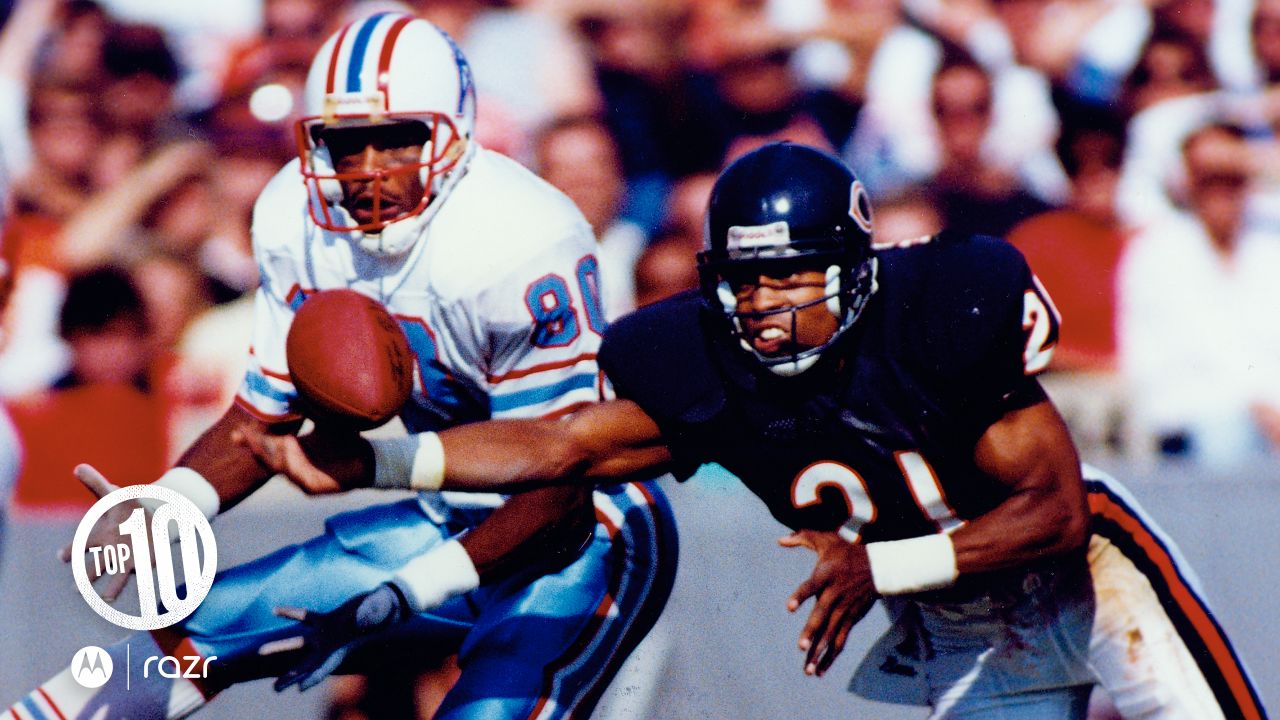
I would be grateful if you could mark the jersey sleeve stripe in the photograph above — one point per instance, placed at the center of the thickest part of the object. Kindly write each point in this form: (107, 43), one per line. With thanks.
(539, 395)
(261, 385)
(268, 372)
(544, 367)
(270, 418)
(276, 375)
(568, 409)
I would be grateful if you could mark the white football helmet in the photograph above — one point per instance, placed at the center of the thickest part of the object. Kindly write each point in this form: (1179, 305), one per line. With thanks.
(383, 69)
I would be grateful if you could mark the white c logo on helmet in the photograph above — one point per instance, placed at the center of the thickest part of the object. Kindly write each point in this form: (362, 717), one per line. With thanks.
(860, 206)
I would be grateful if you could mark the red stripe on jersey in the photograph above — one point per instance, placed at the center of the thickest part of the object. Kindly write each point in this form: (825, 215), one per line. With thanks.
(568, 409)
(49, 701)
(244, 404)
(526, 372)
(276, 375)
(333, 60)
(1185, 599)
(269, 372)
(384, 60)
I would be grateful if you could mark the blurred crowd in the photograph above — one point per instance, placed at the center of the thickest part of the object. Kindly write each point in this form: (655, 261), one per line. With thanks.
(1126, 146)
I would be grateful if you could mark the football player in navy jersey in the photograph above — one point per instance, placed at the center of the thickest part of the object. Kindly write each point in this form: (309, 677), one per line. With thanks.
(883, 403)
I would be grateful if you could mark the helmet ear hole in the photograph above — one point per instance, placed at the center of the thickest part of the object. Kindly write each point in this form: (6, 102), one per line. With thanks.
(834, 302)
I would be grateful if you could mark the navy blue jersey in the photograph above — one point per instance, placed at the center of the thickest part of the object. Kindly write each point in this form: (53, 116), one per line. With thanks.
(878, 439)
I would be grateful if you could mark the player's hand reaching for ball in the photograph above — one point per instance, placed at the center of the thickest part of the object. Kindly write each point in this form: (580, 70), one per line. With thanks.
(328, 460)
(843, 592)
(106, 531)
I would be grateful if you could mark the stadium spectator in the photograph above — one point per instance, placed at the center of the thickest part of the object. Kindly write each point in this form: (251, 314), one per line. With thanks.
(665, 267)
(897, 143)
(1075, 251)
(529, 68)
(645, 92)
(578, 156)
(1173, 64)
(973, 193)
(1198, 298)
(104, 405)
(141, 76)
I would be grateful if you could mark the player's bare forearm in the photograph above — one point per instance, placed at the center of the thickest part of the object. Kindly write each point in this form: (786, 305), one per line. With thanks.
(546, 523)
(229, 466)
(1031, 451)
(608, 442)
(605, 443)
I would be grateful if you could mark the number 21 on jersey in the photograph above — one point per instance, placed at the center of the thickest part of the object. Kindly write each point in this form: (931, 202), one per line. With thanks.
(922, 481)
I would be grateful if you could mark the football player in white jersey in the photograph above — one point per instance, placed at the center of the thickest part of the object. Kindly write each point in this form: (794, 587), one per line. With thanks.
(492, 274)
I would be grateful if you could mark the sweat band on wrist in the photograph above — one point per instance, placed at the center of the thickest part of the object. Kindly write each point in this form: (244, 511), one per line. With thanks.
(192, 485)
(913, 565)
(408, 462)
(437, 575)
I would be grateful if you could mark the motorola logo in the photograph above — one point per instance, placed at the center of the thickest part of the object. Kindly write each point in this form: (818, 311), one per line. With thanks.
(91, 666)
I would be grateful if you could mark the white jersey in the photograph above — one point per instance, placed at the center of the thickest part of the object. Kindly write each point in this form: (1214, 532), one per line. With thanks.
(499, 299)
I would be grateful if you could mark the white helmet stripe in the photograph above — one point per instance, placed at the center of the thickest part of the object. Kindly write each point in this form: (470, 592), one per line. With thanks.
(384, 58)
(332, 75)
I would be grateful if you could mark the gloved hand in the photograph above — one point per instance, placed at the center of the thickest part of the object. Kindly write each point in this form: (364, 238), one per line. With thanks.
(326, 638)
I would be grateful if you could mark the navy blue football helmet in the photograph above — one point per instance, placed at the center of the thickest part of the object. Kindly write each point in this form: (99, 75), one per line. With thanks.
(780, 208)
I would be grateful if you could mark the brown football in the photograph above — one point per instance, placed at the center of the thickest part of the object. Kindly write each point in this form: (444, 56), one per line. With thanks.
(349, 360)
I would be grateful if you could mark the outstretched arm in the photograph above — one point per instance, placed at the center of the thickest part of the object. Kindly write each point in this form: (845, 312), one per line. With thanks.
(613, 440)
(605, 442)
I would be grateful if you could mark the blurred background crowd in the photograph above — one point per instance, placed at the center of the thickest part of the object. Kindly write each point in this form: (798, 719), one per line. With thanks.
(1126, 146)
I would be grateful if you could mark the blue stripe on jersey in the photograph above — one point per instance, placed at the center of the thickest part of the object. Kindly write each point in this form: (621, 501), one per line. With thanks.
(533, 396)
(262, 386)
(356, 61)
(31, 707)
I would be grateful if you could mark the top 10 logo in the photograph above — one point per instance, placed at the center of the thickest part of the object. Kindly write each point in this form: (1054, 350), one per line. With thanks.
(144, 545)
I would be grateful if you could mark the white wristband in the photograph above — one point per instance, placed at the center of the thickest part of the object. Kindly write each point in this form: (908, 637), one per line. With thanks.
(192, 485)
(437, 575)
(408, 462)
(913, 565)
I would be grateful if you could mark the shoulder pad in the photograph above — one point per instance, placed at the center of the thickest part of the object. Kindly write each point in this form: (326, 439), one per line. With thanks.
(658, 358)
(961, 304)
